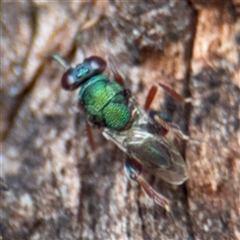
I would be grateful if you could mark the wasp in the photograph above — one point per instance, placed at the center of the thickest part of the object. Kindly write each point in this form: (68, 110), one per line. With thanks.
(110, 107)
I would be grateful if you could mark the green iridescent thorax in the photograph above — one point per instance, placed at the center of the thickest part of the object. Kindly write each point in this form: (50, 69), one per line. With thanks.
(105, 103)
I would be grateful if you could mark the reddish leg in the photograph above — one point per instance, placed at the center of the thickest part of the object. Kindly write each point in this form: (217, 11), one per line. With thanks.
(90, 136)
(133, 170)
(173, 94)
(166, 125)
(151, 94)
(113, 66)
(171, 127)
(155, 196)
(89, 131)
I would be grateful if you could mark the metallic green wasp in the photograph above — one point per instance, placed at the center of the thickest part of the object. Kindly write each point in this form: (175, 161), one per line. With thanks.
(109, 106)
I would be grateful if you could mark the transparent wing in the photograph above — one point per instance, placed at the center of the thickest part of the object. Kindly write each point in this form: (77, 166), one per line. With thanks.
(159, 156)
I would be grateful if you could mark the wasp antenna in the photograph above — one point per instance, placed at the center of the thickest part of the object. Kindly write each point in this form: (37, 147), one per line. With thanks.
(61, 61)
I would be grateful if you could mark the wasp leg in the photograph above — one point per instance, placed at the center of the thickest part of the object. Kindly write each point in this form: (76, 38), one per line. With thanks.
(89, 131)
(133, 170)
(151, 94)
(113, 66)
(174, 94)
(171, 127)
(90, 136)
(167, 125)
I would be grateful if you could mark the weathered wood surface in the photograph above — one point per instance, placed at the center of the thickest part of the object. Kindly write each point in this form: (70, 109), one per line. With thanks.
(58, 187)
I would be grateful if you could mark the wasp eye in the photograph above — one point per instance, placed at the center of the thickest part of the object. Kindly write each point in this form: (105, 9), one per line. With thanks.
(69, 81)
(97, 64)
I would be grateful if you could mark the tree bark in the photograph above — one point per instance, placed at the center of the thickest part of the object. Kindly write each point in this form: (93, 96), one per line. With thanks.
(59, 188)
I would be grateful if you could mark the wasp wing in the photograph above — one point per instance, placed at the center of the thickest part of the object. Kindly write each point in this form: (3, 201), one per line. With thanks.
(159, 156)
(156, 153)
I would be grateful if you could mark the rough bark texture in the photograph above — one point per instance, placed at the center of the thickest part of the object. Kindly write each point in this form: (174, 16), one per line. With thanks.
(58, 187)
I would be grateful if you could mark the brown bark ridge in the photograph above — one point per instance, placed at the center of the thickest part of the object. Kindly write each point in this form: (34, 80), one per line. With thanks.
(58, 187)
